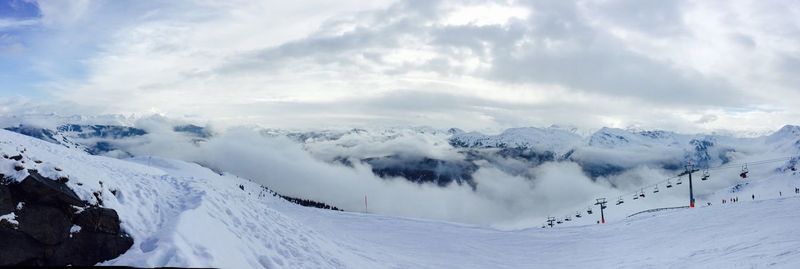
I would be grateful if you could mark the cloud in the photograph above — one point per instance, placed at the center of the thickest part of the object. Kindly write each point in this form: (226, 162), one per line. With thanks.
(601, 62)
(56, 12)
(6, 24)
(707, 118)
(507, 192)
(285, 166)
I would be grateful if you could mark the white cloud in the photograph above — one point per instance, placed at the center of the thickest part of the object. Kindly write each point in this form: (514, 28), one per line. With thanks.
(284, 166)
(11, 23)
(312, 63)
(485, 14)
(55, 12)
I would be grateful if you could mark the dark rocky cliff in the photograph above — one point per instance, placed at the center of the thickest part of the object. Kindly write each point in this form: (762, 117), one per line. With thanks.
(44, 223)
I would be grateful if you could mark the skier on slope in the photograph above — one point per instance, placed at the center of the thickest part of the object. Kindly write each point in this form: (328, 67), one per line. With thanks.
(754, 196)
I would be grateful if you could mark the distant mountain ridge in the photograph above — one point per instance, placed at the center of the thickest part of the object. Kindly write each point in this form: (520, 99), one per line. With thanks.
(444, 156)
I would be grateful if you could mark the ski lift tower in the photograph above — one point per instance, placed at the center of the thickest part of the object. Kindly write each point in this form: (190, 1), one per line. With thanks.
(689, 170)
(602, 203)
(550, 221)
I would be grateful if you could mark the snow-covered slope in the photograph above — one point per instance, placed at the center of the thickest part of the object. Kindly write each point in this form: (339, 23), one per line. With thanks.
(181, 214)
(759, 234)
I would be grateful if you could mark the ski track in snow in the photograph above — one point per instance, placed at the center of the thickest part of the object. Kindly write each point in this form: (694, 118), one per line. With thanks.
(184, 215)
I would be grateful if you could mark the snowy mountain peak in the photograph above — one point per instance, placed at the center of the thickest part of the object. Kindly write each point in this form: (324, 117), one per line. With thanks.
(613, 137)
(657, 134)
(610, 137)
(787, 132)
(540, 139)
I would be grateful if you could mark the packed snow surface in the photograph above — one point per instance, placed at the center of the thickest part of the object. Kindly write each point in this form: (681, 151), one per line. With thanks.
(181, 214)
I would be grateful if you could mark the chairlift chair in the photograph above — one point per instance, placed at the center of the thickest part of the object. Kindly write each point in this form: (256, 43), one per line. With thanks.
(559, 221)
(744, 172)
(589, 210)
(635, 196)
(620, 201)
(655, 189)
(641, 194)
(577, 214)
(706, 175)
(680, 181)
(669, 184)
(568, 218)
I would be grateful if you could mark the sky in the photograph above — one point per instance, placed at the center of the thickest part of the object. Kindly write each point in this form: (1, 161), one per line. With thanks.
(687, 66)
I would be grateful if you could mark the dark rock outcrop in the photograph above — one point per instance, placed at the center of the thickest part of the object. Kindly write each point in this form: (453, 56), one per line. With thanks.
(48, 225)
(6, 202)
(88, 248)
(98, 219)
(52, 226)
(17, 248)
(43, 190)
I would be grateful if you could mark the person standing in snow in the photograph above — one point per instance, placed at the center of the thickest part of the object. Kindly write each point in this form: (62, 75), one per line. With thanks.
(754, 196)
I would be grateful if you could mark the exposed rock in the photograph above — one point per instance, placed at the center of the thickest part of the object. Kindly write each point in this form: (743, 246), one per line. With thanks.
(42, 236)
(87, 248)
(98, 219)
(39, 189)
(6, 201)
(46, 224)
(17, 248)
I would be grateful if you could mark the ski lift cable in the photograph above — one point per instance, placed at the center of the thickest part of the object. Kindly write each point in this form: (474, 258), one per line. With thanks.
(720, 167)
(739, 165)
(725, 166)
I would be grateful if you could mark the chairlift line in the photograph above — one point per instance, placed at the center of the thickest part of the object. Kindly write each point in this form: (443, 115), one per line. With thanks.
(743, 173)
(602, 203)
(550, 221)
(736, 165)
(679, 181)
